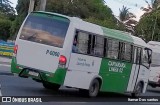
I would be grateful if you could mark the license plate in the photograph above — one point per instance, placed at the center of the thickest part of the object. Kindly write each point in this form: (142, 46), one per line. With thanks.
(33, 73)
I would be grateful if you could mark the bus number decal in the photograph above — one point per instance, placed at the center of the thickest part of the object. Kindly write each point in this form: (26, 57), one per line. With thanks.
(53, 53)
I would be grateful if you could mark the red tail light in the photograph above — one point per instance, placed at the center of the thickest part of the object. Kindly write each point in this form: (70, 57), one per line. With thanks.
(15, 49)
(62, 60)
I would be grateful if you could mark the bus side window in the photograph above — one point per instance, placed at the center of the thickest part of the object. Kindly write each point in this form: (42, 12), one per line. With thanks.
(75, 42)
(127, 52)
(145, 59)
(82, 42)
(113, 49)
(98, 46)
(138, 56)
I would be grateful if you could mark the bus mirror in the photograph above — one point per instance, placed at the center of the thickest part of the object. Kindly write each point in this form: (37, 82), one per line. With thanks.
(149, 51)
(149, 61)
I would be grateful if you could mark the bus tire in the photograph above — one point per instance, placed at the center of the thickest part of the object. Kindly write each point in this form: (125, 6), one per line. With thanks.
(94, 88)
(138, 90)
(51, 86)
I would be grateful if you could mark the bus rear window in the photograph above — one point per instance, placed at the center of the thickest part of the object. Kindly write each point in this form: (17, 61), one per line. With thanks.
(45, 29)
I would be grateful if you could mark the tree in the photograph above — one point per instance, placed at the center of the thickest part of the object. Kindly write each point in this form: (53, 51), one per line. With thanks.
(152, 6)
(22, 11)
(94, 11)
(127, 18)
(6, 9)
(7, 15)
(5, 29)
(149, 26)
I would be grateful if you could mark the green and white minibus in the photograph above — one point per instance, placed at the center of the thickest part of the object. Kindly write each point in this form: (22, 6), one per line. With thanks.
(59, 50)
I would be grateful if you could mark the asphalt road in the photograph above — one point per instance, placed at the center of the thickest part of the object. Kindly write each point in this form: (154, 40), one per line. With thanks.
(15, 86)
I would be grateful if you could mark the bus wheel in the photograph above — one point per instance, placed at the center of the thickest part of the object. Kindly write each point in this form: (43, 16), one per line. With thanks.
(94, 88)
(138, 90)
(51, 86)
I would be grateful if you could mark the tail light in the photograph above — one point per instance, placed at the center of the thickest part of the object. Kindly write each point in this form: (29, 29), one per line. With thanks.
(62, 61)
(15, 49)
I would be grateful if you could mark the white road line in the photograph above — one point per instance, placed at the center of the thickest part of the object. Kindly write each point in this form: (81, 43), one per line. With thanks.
(5, 65)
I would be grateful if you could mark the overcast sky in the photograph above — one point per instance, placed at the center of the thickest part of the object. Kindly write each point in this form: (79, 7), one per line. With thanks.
(115, 5)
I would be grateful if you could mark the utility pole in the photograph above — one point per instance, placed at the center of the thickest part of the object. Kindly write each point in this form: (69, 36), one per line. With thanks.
(32, 5)
(42, 5)
(154, 28)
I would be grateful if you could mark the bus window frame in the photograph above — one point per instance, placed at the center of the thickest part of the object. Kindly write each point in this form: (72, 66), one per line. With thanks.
(140, 60)
(105, 47)
(149, 64)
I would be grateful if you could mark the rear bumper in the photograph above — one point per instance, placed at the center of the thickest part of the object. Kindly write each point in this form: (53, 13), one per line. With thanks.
(57, 77)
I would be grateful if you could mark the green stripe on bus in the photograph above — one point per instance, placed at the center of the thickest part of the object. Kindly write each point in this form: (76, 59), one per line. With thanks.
(117, 35)
(57, 77)
(51, 16)
(115, 75)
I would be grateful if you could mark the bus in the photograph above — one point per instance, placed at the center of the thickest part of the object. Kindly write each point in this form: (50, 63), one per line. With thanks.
(154, 79)
(59, 50)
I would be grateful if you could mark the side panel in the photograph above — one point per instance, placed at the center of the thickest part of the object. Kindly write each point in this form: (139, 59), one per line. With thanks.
(115, 75)
(82, 69)
(143, 76)
(132, 79)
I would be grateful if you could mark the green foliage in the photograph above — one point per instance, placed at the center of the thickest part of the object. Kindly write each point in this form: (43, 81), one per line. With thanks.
(149, 26)
(22, 7)
(4, 28)
(94, 11)
(7, 15)
(123, 15)
(6, 9)
(22, 11)
(106, 23)
(16, 24)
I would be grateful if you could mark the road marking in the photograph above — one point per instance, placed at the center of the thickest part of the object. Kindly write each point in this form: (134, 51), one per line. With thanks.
(5, 65)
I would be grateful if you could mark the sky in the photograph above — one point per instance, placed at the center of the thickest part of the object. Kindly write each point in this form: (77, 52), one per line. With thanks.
(115, 5)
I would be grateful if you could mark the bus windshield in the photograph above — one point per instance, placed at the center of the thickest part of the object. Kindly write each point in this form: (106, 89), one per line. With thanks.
(45, 29)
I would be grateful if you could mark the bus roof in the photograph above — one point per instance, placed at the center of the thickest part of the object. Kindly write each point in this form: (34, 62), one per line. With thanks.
(99, 30)
(111, 33)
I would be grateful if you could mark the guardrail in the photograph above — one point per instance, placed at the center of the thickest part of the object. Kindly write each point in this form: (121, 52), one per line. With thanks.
(6, 49)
